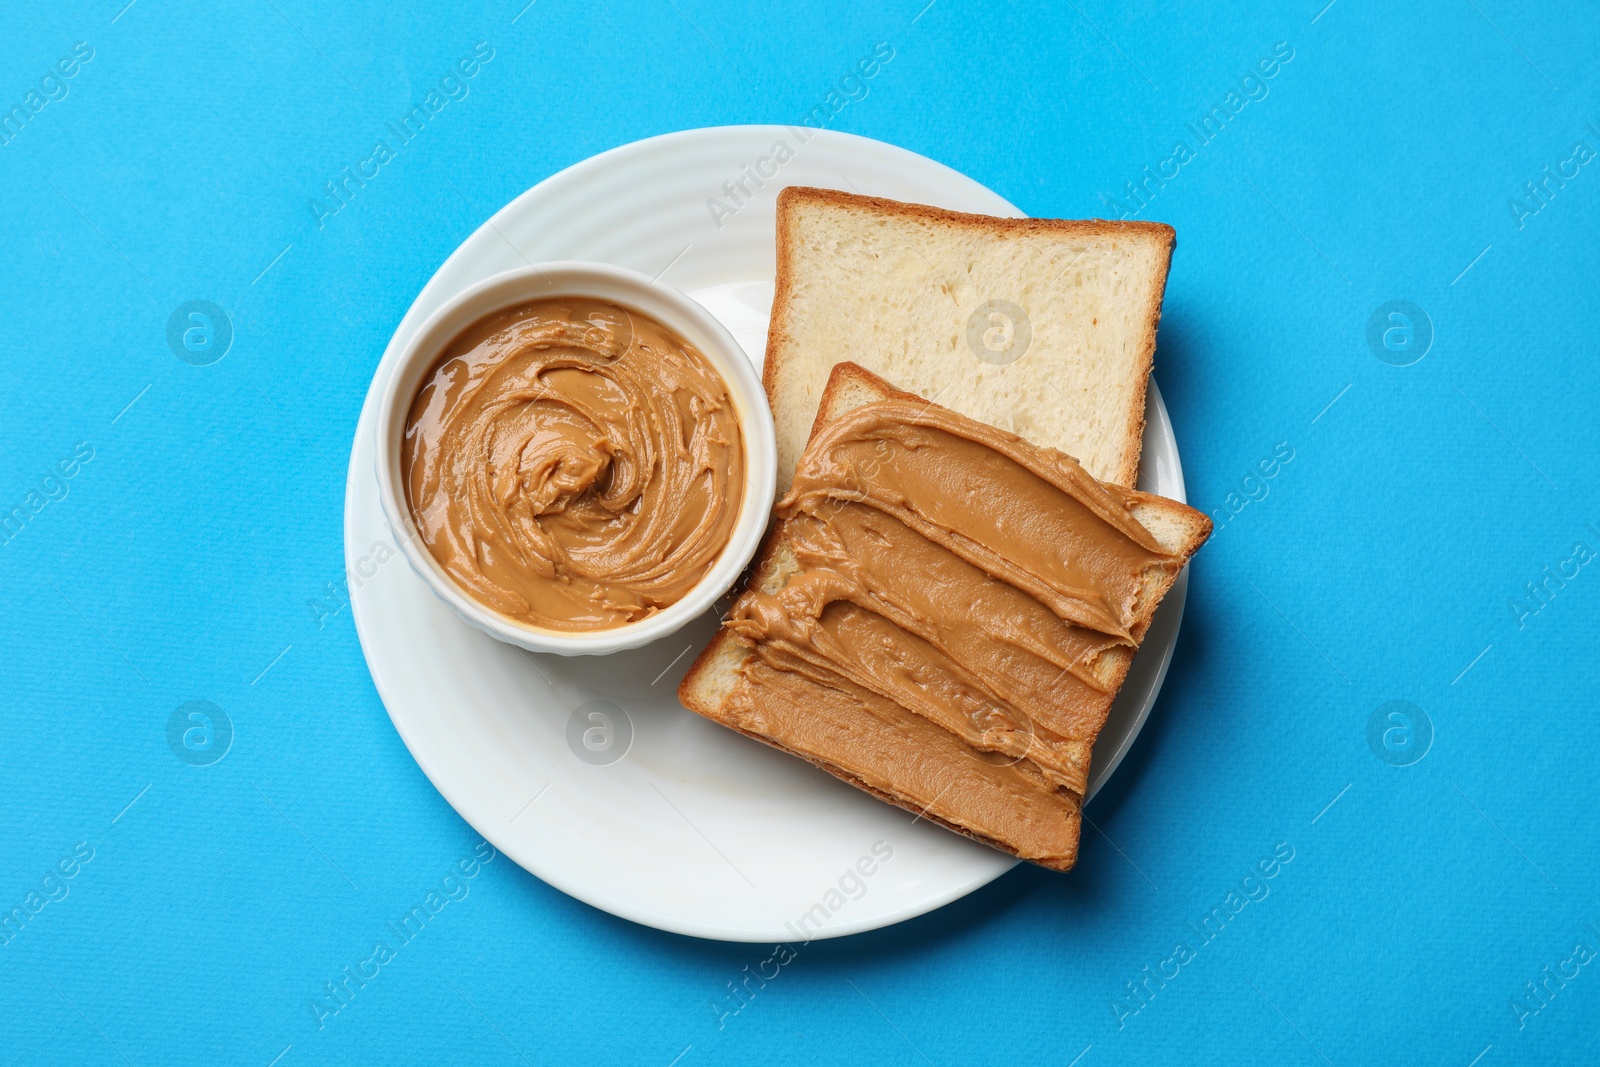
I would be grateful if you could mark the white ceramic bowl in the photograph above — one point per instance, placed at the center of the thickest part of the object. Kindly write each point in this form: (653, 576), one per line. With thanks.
(636, 292)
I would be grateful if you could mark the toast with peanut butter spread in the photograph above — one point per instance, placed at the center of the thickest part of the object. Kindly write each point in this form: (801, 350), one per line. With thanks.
(942, 616)
(1044, 327)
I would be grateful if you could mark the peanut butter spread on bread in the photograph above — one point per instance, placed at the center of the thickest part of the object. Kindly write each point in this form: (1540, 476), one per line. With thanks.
(959, 594)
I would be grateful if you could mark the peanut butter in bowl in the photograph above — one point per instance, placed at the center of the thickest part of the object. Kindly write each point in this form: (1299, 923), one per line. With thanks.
(573, 465)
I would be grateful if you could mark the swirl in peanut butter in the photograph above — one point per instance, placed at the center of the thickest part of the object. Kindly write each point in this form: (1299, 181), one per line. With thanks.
(573, 465)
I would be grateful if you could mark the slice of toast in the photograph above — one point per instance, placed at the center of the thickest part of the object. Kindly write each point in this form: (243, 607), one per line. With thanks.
(711, 687)
(1044, 327)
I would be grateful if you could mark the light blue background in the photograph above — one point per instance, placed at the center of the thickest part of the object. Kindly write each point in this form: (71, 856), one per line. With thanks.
(1380, 566)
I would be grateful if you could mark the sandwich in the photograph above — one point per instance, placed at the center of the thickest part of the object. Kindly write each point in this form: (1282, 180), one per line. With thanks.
(960, 571)
(942, 616)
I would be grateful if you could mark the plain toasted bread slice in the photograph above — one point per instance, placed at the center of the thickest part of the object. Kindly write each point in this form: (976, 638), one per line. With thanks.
(1044, 327)
(710, 685)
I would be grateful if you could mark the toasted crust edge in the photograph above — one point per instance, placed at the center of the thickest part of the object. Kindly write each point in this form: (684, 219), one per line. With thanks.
(792, 196)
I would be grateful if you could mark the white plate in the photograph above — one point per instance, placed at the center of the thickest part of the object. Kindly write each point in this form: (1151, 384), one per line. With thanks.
(689, 827)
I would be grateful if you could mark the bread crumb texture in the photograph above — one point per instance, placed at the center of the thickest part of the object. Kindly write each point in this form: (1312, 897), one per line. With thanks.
(914, 299)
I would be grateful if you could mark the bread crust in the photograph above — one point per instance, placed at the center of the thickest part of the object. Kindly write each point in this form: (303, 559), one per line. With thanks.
(1166, 237)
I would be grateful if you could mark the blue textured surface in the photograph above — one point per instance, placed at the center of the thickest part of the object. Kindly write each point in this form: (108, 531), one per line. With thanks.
(1386, 160)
